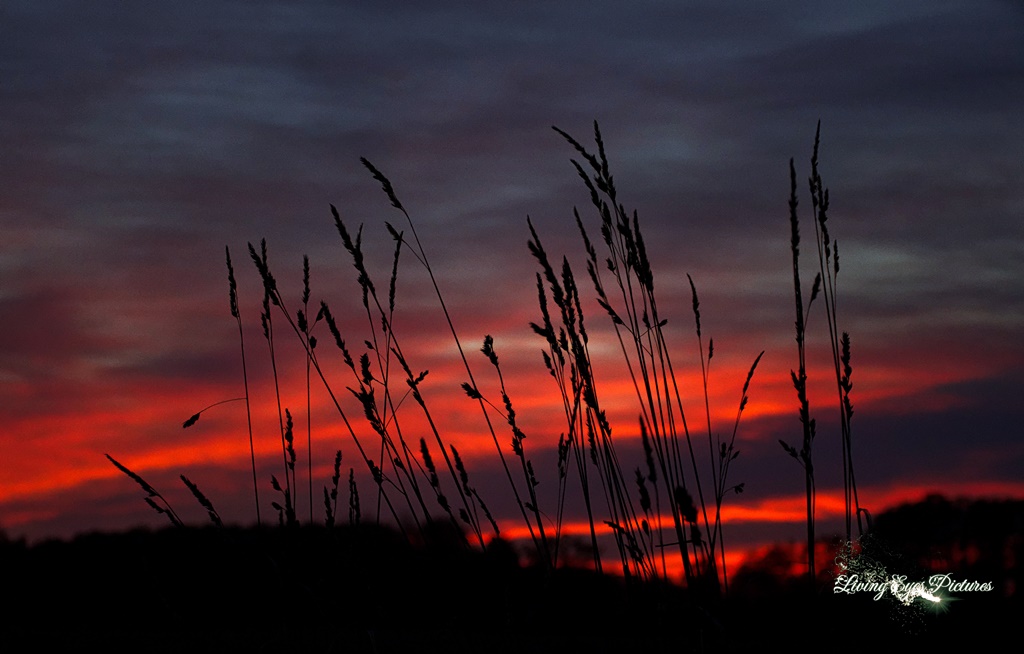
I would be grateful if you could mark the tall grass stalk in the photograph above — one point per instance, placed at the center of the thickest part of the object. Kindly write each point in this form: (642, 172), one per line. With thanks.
(557, 357)
(154, 499)
(267, 321)
(354, 247)
(804, 455)
(547, 551)
(236, 314)
(272, 294)
(825, 282)
(421, 255)
(331, 498)
(203, 501)
(828, 263)
(626, 293)
(573, 341)
(306, 328)
(639, 331)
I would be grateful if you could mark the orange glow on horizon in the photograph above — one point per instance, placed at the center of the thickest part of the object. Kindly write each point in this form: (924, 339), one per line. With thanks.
(137, 419)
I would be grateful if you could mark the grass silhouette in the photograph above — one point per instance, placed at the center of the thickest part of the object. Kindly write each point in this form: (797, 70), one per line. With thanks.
(672, 502)
(661, 513)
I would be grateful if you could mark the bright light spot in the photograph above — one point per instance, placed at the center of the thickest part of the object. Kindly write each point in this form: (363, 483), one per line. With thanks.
(931, 598)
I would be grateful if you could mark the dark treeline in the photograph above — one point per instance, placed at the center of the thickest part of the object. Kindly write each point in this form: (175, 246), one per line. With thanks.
(977, 539)
(367, 589)
(313, 589)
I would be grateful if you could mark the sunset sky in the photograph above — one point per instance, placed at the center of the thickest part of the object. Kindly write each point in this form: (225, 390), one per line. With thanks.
(137, 141)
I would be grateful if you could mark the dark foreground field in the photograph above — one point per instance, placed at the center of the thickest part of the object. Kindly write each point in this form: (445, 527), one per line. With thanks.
(366, 589)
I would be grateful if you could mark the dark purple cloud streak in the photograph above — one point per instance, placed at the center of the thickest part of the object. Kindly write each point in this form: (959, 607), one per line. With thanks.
(137, 141)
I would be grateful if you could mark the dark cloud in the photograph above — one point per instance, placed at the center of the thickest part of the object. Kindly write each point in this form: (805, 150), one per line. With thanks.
(43, 328)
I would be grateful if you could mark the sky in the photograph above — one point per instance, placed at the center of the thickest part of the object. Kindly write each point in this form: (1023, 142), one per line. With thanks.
(137, 142)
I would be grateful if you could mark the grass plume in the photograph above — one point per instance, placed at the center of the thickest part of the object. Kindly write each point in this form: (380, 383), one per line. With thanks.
(662, 512)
